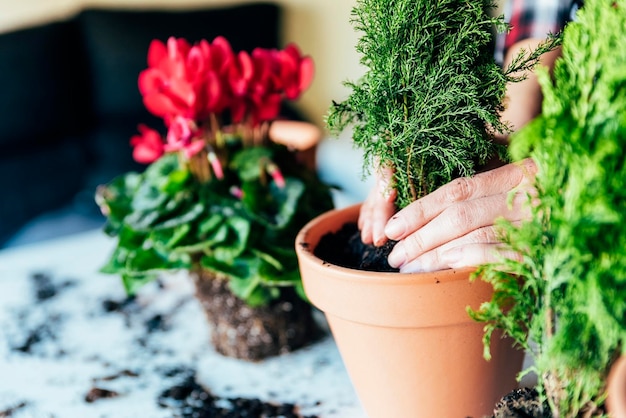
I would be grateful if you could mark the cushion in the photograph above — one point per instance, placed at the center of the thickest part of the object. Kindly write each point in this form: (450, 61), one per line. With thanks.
(36, 181)
(118, 41)
(43, 86)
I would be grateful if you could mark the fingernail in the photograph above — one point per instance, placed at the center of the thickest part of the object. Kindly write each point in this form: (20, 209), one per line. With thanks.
(380, 240)
(397, 257)
(395, 228)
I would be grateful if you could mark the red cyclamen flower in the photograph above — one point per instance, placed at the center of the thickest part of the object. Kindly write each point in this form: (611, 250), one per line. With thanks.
(148, 145)
(187, 85)
(180, 137)
(276, 74)
(185, 80)
(164, 85)
(296, 71)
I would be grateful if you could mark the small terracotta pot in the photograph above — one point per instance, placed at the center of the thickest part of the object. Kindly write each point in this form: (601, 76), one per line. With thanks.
(616, 401)
(407, 342)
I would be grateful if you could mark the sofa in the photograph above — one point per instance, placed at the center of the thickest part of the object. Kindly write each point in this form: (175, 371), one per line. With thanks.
(70, 103)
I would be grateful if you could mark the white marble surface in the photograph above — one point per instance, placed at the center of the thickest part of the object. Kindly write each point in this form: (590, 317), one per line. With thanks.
(82, 344)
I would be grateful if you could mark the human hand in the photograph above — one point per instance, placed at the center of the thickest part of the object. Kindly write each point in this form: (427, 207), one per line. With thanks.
(453, 226)
(377, 208)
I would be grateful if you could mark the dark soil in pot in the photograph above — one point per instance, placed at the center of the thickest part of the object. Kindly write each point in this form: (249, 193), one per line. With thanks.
(345, 248)
(254, 333)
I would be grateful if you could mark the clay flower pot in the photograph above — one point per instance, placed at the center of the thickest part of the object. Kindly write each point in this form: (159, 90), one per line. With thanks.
(616, 401)
(407, 342)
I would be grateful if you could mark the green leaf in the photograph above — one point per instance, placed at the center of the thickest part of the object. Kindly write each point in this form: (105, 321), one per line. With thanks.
(238, 232)
(249, 163)
(267, 258)
(132, 282)
(210, 224)
(186, 217)
(273, 206)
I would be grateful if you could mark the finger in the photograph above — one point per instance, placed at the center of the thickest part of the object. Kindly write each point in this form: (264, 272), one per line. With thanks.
(457, 221)
(377, 209)
(385, 205)
(439, 258)
(459, 257)
(477, 254)
(366, 220)
(372, 220)
(497, 181)
(383, 212)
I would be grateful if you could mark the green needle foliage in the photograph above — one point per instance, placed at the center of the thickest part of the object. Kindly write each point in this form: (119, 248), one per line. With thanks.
(429, 103)
(568, 292)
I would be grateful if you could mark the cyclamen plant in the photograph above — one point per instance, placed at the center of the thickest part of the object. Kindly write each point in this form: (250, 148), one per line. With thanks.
(217, 194)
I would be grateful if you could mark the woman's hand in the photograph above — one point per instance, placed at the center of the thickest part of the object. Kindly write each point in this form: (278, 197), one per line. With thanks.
(453, 226)
(378, 208)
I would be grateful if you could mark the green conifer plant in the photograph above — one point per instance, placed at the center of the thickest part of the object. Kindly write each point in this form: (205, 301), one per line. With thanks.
(429, 103)
(567, 292)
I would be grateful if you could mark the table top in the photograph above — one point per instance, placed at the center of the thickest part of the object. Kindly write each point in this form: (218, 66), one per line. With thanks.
(67, 333)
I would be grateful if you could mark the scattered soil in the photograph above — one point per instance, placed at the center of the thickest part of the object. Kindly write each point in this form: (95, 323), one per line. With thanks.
(40, 333)
(123, 306)
(123, 373)
(254, 333)
(6, 413)
(96, 393)
(189, 399)
(45, 288)
(345, 248)
(130, 309)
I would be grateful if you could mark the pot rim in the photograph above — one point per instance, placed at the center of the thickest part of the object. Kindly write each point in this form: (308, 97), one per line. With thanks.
(305, 246)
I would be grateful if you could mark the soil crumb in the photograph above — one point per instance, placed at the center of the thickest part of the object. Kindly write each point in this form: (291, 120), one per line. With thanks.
(189, 399)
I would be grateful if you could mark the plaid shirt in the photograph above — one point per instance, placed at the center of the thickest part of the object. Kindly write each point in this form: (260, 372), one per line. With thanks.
(534, 19)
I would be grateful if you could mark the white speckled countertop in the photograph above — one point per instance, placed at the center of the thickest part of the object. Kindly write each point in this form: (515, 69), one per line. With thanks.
(54, 349)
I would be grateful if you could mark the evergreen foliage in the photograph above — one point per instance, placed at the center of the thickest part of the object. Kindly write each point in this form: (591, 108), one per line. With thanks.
(568, 292)
(429, 103)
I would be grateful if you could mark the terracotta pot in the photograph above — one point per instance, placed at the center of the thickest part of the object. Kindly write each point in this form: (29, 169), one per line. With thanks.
(407, 342)
(253, 333)
(616, 401)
